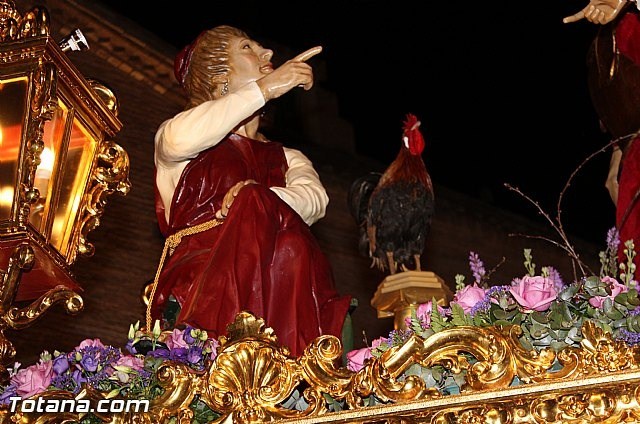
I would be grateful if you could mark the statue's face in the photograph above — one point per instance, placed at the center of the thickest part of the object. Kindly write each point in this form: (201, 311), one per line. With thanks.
(249, 61)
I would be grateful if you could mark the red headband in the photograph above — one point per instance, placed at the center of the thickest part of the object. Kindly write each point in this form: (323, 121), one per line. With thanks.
(183, 60)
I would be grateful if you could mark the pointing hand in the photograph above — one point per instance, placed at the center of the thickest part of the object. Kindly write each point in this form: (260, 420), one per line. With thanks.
(598, 11)
(293, 73)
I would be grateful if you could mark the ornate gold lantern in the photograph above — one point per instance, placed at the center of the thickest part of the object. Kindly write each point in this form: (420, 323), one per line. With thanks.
(57, 164)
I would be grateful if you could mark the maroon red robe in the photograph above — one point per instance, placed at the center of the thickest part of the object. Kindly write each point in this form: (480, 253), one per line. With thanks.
(628, 207)
(262, 259)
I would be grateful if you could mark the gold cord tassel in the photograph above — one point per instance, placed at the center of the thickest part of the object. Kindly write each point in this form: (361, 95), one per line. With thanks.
(170, 245)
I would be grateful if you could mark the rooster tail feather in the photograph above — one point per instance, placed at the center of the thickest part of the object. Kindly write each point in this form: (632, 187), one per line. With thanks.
(359, 194)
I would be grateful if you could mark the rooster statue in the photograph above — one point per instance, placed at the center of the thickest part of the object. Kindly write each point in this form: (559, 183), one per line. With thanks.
(394, 209)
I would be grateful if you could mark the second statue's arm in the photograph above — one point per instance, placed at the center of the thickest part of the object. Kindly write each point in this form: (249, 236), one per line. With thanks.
(598, 11)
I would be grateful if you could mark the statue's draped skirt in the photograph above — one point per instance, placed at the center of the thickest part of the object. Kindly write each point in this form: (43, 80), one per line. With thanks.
(262, 259)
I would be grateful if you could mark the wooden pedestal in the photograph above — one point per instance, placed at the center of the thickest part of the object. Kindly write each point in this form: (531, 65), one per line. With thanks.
(400, 294)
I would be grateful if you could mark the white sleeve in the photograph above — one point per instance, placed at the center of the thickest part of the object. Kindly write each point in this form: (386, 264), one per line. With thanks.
(303, 192)
(188, 133)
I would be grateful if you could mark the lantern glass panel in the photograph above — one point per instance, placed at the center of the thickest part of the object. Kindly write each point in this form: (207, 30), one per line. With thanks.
(74, 175)
(13, 110)
(53, 140)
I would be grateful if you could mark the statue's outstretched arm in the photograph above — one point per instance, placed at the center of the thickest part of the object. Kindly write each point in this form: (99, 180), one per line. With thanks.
(598, 11)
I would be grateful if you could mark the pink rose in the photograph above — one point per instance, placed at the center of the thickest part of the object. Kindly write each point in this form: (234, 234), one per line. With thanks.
(130, 361)
(213, 344)
(616, 289)
(175, 339)
(423, 313)
(534, 293)
(90, 342)
(357, 358)
(469, 297)
(33, 380)
(125, 365)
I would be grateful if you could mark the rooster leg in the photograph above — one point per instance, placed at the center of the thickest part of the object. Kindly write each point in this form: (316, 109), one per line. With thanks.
(417, 259)
(392, 263)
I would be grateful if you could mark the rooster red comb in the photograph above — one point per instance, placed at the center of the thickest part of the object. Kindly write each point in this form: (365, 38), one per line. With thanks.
(411, 136)
(411, 122)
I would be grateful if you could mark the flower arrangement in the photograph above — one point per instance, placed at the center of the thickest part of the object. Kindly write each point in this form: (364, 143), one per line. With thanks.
(129, 374)
(549, 311)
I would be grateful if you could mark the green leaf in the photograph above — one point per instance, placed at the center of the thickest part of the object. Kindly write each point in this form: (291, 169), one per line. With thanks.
(458, 317)
(503, 303)
(538, 331)
(610, 310)
(526, 344)
(501, 314)
(438, 322)
(539, 317)
(569, 292)
(632, 297)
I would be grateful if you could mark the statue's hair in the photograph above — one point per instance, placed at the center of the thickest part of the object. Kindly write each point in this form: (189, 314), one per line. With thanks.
(209, 63)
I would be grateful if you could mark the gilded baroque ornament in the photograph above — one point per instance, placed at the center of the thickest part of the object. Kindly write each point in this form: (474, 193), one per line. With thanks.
(59, 163)
(14, 26)
(252, 378)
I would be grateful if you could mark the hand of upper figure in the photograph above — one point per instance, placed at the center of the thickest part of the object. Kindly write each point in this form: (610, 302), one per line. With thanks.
(598, 11)
(228, 199)
(612, 177)
(293, 73)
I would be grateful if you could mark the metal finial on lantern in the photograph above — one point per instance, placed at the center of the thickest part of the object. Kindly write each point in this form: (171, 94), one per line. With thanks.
(74, 42)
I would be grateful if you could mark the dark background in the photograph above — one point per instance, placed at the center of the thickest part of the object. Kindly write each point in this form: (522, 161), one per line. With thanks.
(500, 88)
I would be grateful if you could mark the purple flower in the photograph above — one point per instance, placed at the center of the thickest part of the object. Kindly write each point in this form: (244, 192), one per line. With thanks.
(9, 391)
(95, 379)
(613, 239)
(187, 335)
(482, 306)
(89, 359)
(161, 353)
(497, 291)
(629, 337)
(60, 364)
(477, 267)
(130, 347)
(65, 382)
(194, 355)
(78, 377)
(179, 354)
(555, 276)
